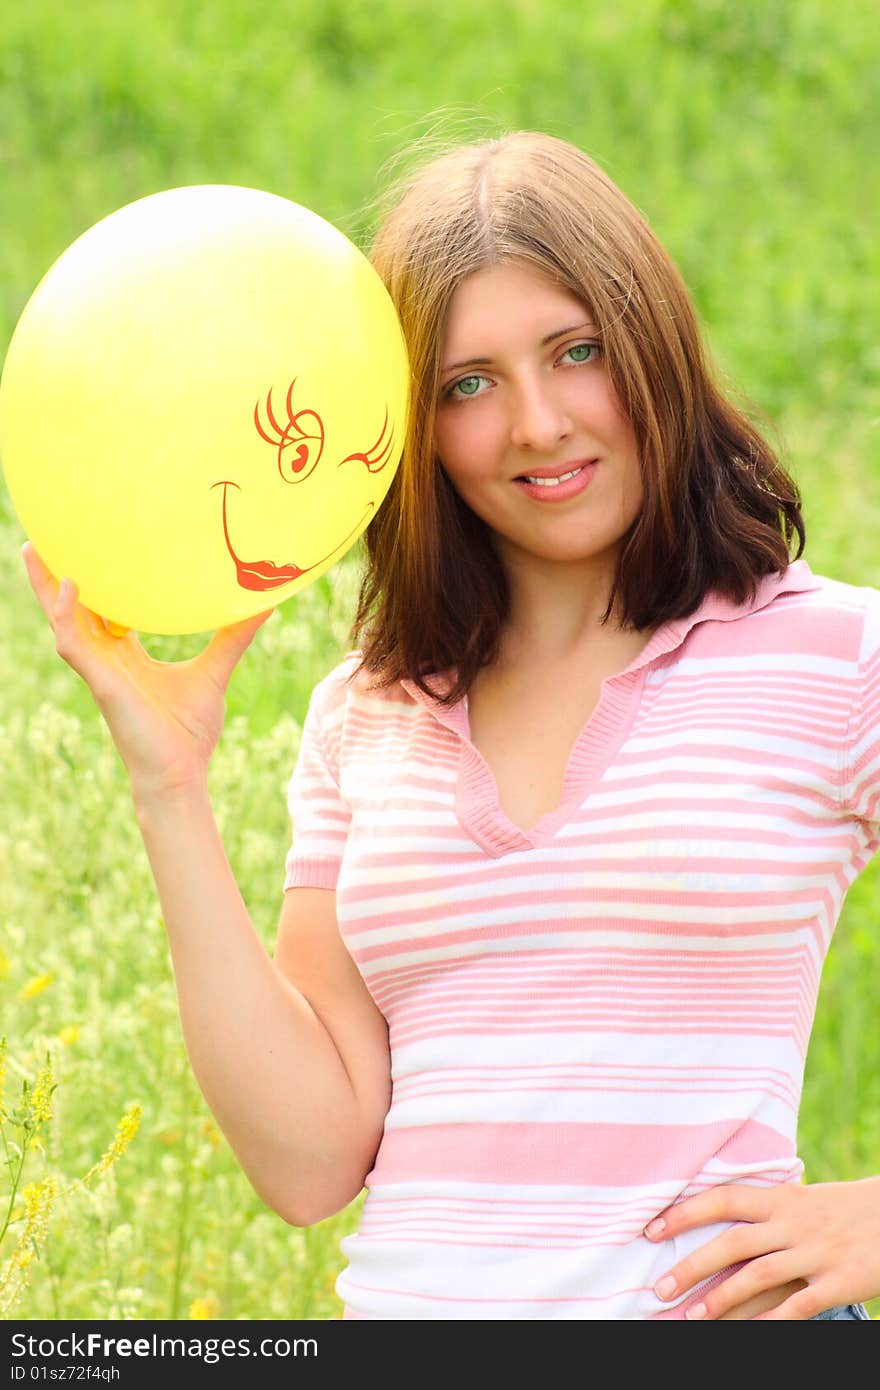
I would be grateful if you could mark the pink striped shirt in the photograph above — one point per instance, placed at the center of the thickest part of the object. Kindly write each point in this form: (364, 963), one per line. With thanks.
(610, 1012)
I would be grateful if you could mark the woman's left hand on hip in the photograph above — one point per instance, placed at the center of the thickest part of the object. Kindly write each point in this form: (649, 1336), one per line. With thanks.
(824, 1236)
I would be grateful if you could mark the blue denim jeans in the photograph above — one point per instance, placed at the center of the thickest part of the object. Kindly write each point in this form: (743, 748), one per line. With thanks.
(844, 1312)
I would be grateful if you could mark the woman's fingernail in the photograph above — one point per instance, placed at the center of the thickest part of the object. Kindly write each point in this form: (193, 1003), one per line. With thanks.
(655, 1228)
(665, 1286)
(699, 1310)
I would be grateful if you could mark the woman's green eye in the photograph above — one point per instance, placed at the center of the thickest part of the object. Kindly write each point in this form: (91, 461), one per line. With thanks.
(584, 348)
(465, 387)
(468, 385)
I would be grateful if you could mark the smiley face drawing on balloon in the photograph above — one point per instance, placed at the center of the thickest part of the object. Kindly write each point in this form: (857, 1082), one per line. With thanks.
(299, 446)
(234, 381)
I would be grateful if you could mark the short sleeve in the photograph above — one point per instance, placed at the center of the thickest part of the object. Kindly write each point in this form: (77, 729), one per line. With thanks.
(862, 781)
(320, 817)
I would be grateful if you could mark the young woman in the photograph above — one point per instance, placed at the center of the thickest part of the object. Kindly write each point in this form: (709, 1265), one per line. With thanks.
(572, 826)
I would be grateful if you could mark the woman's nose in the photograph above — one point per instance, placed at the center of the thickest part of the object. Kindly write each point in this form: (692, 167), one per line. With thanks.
(539, 420)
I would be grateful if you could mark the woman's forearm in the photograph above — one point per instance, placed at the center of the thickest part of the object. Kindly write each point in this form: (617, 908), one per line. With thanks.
(266, 1064)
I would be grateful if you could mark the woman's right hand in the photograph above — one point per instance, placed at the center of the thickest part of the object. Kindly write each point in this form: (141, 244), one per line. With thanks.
(165, 717)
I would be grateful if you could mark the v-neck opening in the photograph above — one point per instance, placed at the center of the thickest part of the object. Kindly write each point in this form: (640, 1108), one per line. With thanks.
(478, 806)
(477, 799)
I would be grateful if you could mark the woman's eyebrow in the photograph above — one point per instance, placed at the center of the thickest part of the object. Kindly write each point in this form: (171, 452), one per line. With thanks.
(557, 333)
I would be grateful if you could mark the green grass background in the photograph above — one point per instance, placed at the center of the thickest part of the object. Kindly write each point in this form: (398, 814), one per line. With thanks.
(747, 133)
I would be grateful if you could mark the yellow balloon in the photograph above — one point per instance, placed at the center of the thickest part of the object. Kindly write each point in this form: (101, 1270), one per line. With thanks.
(202, 407)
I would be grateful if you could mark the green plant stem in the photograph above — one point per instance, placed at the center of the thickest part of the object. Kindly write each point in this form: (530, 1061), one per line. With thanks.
(15, 1183)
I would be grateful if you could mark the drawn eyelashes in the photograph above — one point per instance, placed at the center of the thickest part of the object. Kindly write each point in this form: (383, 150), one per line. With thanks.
(299, 447)
(304, 460)
(379, 453)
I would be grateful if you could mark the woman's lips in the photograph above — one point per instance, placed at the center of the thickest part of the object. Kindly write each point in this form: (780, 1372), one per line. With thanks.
(559, 492)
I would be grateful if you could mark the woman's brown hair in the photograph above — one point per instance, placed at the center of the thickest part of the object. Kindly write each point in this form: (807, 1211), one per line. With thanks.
(719, 511)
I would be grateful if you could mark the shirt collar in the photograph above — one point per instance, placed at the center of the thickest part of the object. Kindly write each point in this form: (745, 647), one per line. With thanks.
(715, 608)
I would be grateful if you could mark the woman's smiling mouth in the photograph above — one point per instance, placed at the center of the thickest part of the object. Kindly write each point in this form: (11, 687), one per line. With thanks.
(558, 488)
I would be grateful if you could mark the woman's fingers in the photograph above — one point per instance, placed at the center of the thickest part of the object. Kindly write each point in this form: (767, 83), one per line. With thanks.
(64, 619)
(47, 589)
(44, 584)
(69, 640)
(74, 624)
(81, 636)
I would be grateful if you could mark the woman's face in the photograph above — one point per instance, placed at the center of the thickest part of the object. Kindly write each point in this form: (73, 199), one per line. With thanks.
(524, 390)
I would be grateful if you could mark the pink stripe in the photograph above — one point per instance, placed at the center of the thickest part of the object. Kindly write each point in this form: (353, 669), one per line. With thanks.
(591, 1154)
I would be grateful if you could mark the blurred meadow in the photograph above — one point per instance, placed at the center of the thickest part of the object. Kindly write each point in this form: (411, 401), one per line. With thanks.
(747, 133)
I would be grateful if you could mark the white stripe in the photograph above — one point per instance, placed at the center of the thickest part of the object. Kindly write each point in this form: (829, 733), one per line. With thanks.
(726, 915)
(739, 1051)
(594, 1106)
(547, 941)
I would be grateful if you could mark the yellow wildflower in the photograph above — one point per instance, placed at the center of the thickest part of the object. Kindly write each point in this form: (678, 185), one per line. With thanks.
(40, 1096)
(204, 1308)
(5, 965)
(125, 1132)
(69, 1035)
(39, 1198)
(36, 985)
